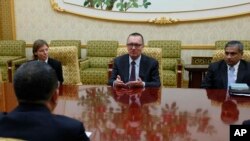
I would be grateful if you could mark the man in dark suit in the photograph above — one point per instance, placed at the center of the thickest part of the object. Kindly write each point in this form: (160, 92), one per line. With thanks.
(232, 69)
(41, 53)
(246, 122)
(36, 89)
(135, 69)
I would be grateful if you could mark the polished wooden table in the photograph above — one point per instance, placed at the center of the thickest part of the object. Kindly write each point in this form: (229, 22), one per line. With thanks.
(168, 114)
(196, 73)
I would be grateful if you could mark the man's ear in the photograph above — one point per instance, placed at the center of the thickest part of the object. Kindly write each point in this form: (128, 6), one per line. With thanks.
(55, 96)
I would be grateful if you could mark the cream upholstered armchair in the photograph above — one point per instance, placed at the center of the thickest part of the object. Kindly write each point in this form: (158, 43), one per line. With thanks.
(155, 53)
(171, 61)
(94, 70)
(12, 54)
(76, 43)
(68, 56)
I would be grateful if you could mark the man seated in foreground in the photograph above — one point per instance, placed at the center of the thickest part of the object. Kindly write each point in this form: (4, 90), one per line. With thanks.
(36, 89)
(135, 69)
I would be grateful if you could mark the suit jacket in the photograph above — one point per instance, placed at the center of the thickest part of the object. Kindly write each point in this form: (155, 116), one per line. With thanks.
(57, 66)
(148, 70)
(246, 122)
(34, 122)
(216, 77)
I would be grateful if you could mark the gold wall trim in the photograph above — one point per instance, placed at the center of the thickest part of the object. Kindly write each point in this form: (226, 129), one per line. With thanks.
(198, 47)
(159, 18)
(163, 20)
(55, 6)
(29, 45)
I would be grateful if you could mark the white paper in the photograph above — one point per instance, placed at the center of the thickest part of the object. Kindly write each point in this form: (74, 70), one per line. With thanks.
(239, 86)
(88, 133)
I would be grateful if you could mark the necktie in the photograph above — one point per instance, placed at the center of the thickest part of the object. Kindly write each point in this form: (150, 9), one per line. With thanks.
(132, 74)
(231, 79)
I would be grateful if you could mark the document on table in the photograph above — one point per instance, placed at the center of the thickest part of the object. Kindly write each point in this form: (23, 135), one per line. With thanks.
(239, 89)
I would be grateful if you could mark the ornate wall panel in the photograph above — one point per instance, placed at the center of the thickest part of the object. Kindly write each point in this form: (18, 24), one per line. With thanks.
(152, 11)
(7, 20)
(37, 19)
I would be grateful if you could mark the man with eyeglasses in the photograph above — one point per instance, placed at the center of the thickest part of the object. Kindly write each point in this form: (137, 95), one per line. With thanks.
(232, 69)
(135, 69)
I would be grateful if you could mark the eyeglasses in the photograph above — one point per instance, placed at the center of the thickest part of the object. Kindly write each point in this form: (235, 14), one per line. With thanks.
(131, 45)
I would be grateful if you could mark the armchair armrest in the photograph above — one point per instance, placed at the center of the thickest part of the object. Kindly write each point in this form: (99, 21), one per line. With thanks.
(82, 59)
(179, 72)
(84, 64)
(18, 62)
(13, 64)
(110, 67)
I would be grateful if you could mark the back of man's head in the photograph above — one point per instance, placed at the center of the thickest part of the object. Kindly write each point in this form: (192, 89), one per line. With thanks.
(35, 81)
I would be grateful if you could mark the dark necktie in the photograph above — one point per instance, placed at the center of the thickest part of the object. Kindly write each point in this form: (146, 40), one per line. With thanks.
(132, 74)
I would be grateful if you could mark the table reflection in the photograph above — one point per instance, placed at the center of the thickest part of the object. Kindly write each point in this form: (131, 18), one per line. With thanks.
(229, 111)
(150, 114)
(229, 104)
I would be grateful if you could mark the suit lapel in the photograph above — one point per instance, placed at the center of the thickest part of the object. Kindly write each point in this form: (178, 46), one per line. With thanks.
(240, 74)
(224, 74)
(126, 68)
(141, 68)
(49, 61)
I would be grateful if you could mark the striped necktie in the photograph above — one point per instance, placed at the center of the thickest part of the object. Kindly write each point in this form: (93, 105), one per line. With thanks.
(132, 74)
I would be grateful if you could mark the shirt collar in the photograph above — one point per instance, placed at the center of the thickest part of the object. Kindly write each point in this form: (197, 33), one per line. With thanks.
(137, 61)
(236, 66)
(46, 61)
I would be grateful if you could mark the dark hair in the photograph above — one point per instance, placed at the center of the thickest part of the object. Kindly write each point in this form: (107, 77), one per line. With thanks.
(34, 82)
(137, 34)
(235, 43)
(36, 45)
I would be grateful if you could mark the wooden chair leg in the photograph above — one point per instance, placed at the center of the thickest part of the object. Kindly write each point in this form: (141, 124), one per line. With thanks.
(9, 63)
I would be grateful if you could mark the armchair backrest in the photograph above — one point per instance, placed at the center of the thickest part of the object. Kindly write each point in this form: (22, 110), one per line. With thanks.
(100, 52)
(12, 48)
(219, 55)
(76, 43)
(171, 52)
(220, 44)
(67, 55)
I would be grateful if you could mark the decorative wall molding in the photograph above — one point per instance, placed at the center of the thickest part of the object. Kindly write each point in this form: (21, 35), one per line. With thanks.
(7, 20)
(230, 9)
